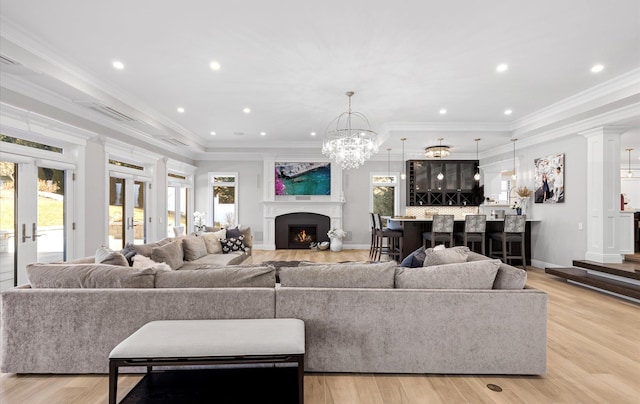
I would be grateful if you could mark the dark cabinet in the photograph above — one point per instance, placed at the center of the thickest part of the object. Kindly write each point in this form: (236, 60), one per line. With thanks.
(456, 187)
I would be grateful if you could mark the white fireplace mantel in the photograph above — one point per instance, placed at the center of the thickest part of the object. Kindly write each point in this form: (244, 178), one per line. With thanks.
(273, 209)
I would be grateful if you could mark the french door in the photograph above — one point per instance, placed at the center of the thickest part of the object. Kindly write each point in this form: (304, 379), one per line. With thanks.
(127, 210)
(34, 215)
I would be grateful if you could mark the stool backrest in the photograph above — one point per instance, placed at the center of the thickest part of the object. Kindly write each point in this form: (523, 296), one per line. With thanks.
(372, 221)
(515, 223)
(442, 224)
(475, 223)
(377, 220)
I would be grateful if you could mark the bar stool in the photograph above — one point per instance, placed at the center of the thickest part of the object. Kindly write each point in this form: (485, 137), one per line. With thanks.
(394, 241)
(514, 229)
(474, 229)
(441, 230)
(372, 224)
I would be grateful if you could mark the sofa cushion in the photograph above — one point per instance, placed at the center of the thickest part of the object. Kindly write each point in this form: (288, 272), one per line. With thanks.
(145, 249)
(510, 277)
(170, 254)
(232, 244)
(233, 232)
(105, 255)
(216, 260)
(194, 248)
(347, 275)
(212, 241)
(466, 275)
(223, 277)
(454, 255)
(88, 276)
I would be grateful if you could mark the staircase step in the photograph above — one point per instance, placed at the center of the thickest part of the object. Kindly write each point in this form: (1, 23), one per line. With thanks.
(582, 276)
(626, 270)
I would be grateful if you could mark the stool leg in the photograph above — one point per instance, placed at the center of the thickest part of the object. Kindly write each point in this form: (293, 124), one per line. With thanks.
(113, 382)
(524, 259)
(482, 244)
(504, 249)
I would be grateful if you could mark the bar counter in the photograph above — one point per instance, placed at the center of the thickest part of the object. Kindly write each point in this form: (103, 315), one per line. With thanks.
(412, 230)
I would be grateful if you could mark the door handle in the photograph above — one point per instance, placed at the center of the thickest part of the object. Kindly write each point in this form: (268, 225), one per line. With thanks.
(34, 230)
(24, 233)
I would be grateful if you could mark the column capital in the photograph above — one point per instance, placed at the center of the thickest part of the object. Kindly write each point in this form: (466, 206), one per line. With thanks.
(605, 130)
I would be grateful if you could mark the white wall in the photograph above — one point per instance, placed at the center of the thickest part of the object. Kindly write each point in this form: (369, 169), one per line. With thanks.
(249, 191)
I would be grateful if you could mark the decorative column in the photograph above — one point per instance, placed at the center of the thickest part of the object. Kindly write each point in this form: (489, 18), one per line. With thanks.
(603, 194)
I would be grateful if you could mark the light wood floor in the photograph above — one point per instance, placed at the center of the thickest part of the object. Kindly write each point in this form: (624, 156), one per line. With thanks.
(593, 357)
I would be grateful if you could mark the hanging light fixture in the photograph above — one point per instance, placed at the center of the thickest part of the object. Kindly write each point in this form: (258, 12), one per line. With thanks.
(438, 151)
(350, 146)
(514, 176)
(403, 174)
(440, 176)
(476, 176)
(629, 173)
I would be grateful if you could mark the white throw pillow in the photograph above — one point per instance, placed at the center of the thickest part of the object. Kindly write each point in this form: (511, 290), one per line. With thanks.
(140, 261)
(212, 241)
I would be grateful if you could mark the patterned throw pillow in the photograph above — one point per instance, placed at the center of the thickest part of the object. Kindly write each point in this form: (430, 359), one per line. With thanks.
(232, 244)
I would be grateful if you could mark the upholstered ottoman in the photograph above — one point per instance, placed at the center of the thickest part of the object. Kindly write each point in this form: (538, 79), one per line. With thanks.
(207, 342)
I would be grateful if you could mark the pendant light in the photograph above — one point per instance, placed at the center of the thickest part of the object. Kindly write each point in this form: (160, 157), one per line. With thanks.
(629, 173)
(403, 174)
(514, 176)
(440, 175)
(476, 176)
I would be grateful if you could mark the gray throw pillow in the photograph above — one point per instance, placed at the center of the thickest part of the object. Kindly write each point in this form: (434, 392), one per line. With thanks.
(194, 248)
(224, 277)
(145, 249)
(105, 255)
(88, 276)
(509, 277)
(453, 255)
(171, 254)
(415, 259)
(348, 275)
(467, 275)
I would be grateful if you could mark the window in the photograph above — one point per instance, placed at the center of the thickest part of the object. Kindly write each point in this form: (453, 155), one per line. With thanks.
(385, 194)
(223, 199)
(177, 207)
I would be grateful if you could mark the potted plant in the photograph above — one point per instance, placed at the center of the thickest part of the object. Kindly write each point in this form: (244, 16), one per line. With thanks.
(336, 236)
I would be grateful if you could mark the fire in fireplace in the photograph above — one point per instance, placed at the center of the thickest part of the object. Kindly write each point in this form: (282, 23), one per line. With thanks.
(301, 236)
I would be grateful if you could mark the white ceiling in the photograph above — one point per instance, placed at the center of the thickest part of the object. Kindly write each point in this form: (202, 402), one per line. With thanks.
(291, 62)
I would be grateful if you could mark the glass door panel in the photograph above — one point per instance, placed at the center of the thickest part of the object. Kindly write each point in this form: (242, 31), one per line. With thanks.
(7, 224)
(183, 207)
(116, 213)
(50, 231)
(139, 213)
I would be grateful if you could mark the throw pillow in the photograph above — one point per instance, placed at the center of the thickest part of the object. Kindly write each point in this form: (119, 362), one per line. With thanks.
(415, 259)
(141, 262)
(467, 275)
(232, 244)
(194, 248)
(212, 241)
(105, 255)
(509, 277)
(453, 255)
(145, 249)
(248, 238)
(234, 232)
(128, 253)
(170, 254)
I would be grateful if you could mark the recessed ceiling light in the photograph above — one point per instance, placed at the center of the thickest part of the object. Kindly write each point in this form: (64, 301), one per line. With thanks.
(313, 133)
(181, 110)
(214, 65)
(597, 68)
(118, 65)
(213, 133)
(443, 111)
(247, 110)
(508, 112)
(263, 133)
(503, 67)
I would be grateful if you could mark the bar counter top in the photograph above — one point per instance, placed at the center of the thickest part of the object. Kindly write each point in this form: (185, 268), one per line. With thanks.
(459, 219)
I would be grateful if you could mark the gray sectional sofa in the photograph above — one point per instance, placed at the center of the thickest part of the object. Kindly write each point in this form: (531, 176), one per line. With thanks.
(358, 317)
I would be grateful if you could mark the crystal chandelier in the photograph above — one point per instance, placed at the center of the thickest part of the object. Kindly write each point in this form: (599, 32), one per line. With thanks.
(350, 146)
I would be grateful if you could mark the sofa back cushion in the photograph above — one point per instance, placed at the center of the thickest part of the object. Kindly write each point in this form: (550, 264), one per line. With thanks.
(88, 276)
(467, 275)
(171, 254)
(223, 277)
(347, 275)
(194, 248)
